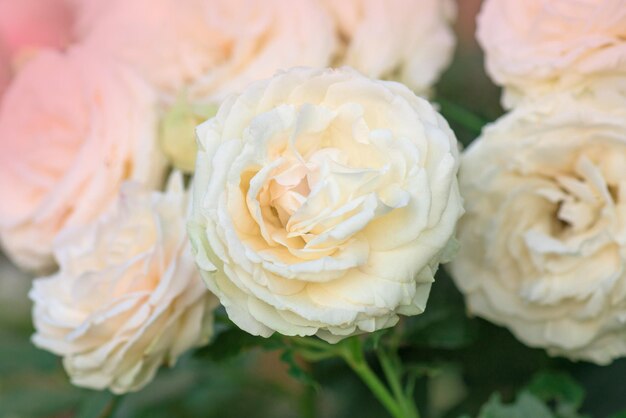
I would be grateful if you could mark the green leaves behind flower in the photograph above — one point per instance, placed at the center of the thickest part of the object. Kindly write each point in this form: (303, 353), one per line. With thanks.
(526, 405)
(561, 389)
(177, 136)
(444, 324)
(233, 341)
(548, 395)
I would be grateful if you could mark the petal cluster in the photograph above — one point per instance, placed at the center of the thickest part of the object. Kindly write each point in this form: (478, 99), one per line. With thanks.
(127, 297)
(543, 243)
(323, 203)
(210, 48)
(410, 41)
(72, 128)
(536, 46)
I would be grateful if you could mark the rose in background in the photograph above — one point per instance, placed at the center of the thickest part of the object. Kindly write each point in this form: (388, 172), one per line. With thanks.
(543, 243)
(127, 297)
(404, 40)
(209, 47)
(5, 70)
(72, 128)
(27, 26)
(323, 203)
(537, 46)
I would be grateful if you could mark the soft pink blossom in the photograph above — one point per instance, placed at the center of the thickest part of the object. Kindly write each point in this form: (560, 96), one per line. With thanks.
(72, 128)
(27, 26)
(210, 47)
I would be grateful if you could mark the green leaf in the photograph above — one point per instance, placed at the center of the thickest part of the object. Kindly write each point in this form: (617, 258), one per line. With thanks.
(373, 340)
(40, 401)
(619, 415)
(24, 356)
(233, 341)
(525, 406)
(296, 370)
(462, 116)
(442, 327)
(559, 387)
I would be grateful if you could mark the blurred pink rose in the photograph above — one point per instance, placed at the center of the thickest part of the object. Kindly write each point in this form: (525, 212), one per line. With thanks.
(533, 47)
(168, 41)
(35, 23)
(29, 25)
(72, 128)
(5, 69)
(259, 38)
(214, 46)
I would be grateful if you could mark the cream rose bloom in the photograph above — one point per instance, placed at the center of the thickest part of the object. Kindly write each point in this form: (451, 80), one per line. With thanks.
(72, 128)
(128, 296)
(411, 41)
(323, 203)
(535, 46)
(209, 48)
(543, 243)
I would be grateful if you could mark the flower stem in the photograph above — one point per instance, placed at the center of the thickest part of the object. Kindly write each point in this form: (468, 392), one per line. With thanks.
(111, 408)
(396, 403)
(391, 366)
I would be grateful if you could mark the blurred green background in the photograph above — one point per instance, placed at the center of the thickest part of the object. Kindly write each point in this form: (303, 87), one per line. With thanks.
(465, 367)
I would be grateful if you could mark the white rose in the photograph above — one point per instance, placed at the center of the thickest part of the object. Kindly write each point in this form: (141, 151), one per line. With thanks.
(543, 243)
(410, 41)
(535, 46)
(73, 127)
(128, 296)
(323, 203)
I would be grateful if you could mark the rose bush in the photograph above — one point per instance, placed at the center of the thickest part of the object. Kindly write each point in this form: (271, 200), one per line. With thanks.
(536, 46)
(128, 296)
(323, 203)
(543, 242)
(72, 128)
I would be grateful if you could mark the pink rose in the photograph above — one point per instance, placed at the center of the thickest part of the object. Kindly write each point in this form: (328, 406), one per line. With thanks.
(211, 47)
(5, 69)
(35, 23)
(72, 128)
(30, 25)
(167, 41)
(533, 47)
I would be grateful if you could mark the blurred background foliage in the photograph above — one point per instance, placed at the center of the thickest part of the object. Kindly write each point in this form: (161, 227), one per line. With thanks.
(463, 367)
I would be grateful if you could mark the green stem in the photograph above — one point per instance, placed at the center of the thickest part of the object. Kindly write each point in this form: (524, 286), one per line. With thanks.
(389, 363)
(353, 355)
(111, 408)
(398, 402)
(462, 116)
